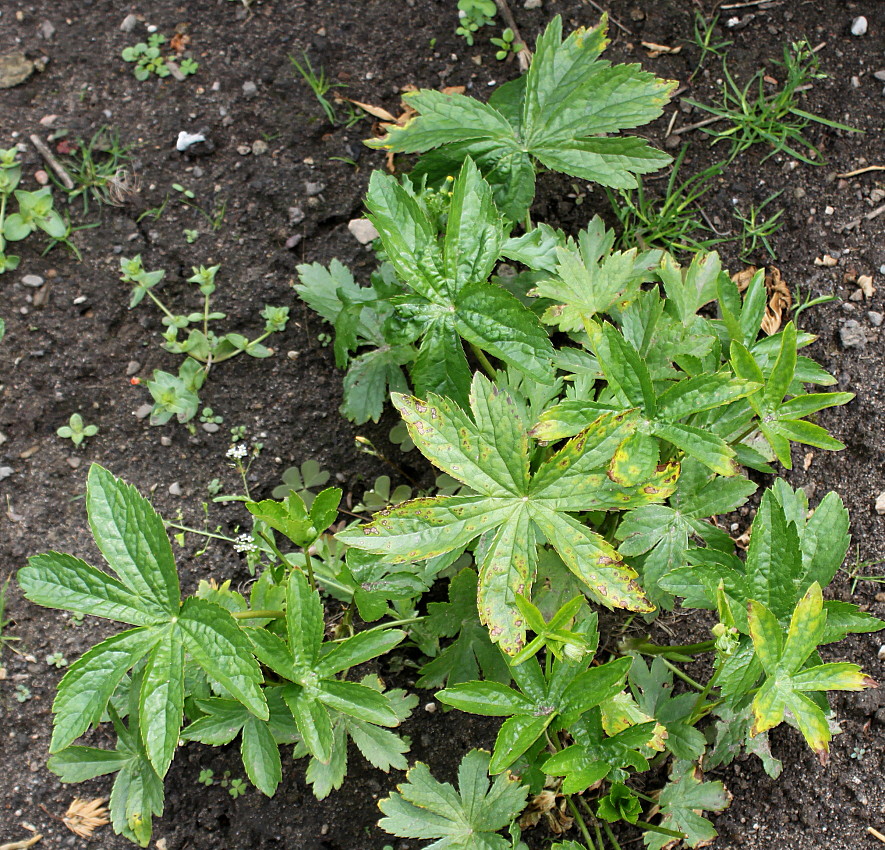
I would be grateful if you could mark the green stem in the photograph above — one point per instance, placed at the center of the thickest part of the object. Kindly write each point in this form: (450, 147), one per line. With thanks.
(308, 563)
(258, 615)
(159, 303)
(700, 707)
(282, 558)
(582, 825)
(483, 361)
(650, 827)
(646, 648)
(198, 531)
(684, 676)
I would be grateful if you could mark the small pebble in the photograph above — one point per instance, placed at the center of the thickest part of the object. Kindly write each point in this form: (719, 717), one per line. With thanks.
(144, 411)
(881, 652)
(362, 230)
(175, 489)
(33, 280)
(852, 335)
(880, 76)
(211, 427)
(296, 215)
(259, 147)
(46, 30)
(875, 318)
(293, 355)
(430, 708)
(859, 26)
(249, 89)
(129, 23)
(41, 177)
(533, 4)
(880, 503)
(244, 150)
(166, 441)
(5, 472)
(80, 299)
(73, 461)
(132, 367)
(313, 188)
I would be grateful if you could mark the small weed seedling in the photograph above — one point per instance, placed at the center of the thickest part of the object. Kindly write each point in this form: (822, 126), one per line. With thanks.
(704, 38)
(5, 639)
(149, 60)
(206, 777)
(473, 14)
(506, 45)
(35, 211)
(177, 395)
(756, 228)
(755, 117)
(319, 84)
(98, 169)
(76, 430)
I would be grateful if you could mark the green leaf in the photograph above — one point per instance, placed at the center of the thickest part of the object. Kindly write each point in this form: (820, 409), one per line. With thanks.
(358, 701)
(786, 681)
(261, 757)
(472, 651)
(682, 802)
(161, 703)
(489, 317)
(89, 683)
(569, 98)
(79, 764)
(489, 453)
(55, 580)
(467, 819)
(215, 641)
(440, 365)
(131, 536)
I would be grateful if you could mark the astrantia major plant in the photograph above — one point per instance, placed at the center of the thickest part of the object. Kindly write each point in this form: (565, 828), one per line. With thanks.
(596, 412)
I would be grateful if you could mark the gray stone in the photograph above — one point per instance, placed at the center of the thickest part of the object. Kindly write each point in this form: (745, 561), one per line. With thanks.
(144, 411)
(852, 335)
(73, 461)
(175, 489)
(363, 230)
(533, 4)
(46, 30)
(875, 318)
(880, 76)
(296, 215)
(129, 23)
(249, 89)
(5, 472)
(33, 280)
(313, 188)
(132, 368)
(211, 427)
(259, 147)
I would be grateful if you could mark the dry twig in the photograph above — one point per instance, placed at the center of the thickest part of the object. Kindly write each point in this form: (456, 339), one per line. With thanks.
(54, 164)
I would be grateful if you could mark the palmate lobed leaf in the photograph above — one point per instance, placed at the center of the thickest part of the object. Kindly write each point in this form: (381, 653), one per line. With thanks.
(132, 537)
(466, 819)
(786, 681)
(489, 453)
(556, 114)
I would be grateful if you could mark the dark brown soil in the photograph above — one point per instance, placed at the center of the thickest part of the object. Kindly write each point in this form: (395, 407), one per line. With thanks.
(72, 352)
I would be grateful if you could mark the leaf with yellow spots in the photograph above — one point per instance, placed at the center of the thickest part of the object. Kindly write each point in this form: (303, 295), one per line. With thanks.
(787, 681)
(487, 448)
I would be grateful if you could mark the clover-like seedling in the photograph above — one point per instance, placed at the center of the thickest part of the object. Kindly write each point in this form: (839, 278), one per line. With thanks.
(76, 431)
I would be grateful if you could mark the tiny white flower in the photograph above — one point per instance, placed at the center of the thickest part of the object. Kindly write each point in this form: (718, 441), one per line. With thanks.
(244, 544)
(238, 452)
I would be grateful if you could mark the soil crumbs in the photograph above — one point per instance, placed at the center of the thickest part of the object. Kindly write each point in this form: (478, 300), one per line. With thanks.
(288, 182)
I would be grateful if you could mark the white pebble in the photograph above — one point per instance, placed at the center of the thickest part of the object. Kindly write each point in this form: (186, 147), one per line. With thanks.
(859, 26)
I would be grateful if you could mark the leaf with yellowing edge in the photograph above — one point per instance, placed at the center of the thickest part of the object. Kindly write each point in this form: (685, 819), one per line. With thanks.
(786, 681)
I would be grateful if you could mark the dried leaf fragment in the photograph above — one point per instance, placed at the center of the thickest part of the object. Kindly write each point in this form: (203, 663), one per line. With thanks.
(179, 42)
(550, 805)
(23, 844)
(83, 817)
(655, 50)
(780, 300)
(865, 282)
(826, 260)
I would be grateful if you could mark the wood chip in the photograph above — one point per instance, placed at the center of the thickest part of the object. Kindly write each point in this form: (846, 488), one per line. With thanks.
(83, 817)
